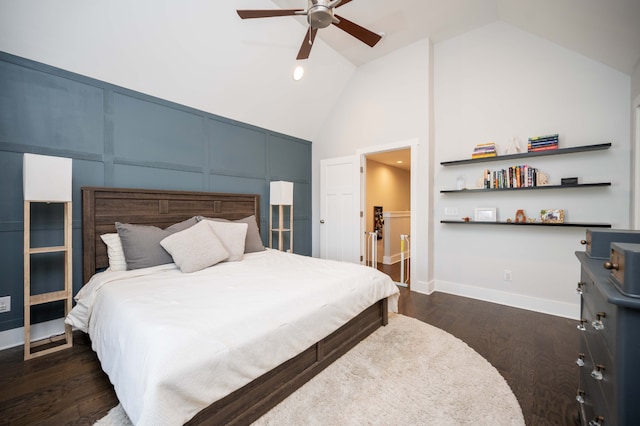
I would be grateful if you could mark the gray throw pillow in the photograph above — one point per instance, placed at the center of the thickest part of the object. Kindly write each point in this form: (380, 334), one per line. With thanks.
(181, 226)
(141, 245)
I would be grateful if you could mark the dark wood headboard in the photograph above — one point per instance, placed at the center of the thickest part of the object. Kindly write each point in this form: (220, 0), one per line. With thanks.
(102, 207)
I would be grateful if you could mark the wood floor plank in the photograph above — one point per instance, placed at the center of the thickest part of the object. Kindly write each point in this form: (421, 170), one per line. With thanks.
(534, 352)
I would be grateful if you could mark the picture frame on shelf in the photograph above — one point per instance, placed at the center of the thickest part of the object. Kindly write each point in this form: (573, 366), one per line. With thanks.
(485, 214)
(552, 216)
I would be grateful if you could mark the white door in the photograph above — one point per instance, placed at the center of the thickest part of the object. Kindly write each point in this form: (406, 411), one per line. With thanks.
(340, 209)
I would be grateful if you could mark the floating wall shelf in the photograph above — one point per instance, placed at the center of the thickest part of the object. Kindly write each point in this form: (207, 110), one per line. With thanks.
(579, 185)
(575, 149)
(566, 224)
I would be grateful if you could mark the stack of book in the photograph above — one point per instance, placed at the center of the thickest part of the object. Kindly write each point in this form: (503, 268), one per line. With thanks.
(543, 143)
(484, 150)
(522, 176)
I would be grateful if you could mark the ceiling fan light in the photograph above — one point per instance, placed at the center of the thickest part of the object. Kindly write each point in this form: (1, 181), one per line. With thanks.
(298, 72)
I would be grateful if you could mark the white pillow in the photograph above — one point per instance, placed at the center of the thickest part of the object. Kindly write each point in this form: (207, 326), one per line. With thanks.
(117, 261)
(195, 248)
(232, 235)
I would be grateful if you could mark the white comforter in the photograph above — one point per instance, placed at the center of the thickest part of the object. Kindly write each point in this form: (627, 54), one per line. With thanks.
(173, 343)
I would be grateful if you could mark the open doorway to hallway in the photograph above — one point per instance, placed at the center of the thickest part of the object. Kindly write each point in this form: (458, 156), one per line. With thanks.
(387, 211)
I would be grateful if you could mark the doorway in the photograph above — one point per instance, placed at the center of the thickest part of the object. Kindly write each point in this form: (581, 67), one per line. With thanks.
(386, 192)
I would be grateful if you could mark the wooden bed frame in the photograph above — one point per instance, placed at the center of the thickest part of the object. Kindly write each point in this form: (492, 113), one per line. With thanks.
(102, 207)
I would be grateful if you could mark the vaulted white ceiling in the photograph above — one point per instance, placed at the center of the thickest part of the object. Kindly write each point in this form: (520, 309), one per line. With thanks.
(607, 31)
(199, 53)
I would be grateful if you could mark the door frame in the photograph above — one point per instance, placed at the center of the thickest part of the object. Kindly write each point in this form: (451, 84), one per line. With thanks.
(413, 145)
(635, 166)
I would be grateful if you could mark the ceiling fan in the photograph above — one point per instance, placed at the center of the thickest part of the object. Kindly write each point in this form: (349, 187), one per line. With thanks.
(319, 14)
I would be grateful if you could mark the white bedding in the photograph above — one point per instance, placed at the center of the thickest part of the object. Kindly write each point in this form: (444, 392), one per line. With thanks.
(173, 343)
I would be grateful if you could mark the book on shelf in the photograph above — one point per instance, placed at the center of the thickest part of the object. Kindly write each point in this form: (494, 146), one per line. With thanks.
(484, 150)
(544, 143)
(485, 155)
(522, 176)
(540, 143)
(543, 148)
(543, 138)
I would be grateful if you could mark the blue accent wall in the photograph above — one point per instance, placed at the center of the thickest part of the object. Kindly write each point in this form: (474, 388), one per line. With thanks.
(121, 138)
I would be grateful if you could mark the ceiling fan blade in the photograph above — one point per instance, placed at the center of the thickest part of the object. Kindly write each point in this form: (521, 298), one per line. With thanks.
(307, 43)
(361, 33)
(249, 14)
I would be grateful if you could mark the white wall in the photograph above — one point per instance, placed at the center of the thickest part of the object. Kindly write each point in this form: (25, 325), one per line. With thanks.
(499, 82)
(386, 101)
(194, 52)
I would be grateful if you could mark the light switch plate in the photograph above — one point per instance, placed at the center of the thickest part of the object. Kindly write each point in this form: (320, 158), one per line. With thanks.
(5, 304)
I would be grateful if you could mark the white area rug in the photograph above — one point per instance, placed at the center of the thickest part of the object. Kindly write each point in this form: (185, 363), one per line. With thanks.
(406, 373)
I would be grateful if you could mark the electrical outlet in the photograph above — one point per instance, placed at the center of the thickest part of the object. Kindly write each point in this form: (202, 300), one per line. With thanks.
(5, 304)
(450, 211)
(507, 275)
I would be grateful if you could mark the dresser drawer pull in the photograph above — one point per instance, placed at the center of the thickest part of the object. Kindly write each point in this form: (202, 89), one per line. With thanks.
(610, 266)
(598, 324)
(581, 326)
(579, 288)
(580, 397)
(598, 421)
(597, 372)
(580, 360)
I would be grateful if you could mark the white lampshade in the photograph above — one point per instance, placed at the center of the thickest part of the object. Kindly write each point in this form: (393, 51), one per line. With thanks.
(281, 193)
(46, 178)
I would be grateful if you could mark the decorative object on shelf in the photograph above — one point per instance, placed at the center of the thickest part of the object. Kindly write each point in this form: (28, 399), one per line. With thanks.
(485, 214)
(466, 219)
(552, 216)
(520, 217)
(542, 179)
(460, 183)
(543, 143)
(509, 220)
(47, 179)
(514, 147)
(531, 219)
(281, 194)
(569, 181)
(484, 150)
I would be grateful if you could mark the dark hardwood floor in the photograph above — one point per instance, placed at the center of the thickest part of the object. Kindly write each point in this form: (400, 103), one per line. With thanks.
(534, 352)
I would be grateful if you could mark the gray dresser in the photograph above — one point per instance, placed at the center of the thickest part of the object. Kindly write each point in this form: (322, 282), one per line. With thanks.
(609, 358)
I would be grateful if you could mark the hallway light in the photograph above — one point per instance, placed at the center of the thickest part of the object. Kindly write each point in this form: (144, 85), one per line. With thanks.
(298, 72)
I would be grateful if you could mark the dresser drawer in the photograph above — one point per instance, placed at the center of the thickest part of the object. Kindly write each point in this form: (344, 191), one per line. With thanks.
(599, 363)
(625, 268)
(599, 316)
(598, 241)
(595, 402)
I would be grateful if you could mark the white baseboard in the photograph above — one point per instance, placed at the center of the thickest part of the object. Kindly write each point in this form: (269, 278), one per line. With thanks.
(545, 306)
(15, 337)
(423, 287)
(394, 258)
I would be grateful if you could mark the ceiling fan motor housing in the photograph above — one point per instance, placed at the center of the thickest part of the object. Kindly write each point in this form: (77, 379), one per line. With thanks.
(319, 14)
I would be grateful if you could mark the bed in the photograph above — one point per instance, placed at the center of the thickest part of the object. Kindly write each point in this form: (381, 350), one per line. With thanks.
(267, 355)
